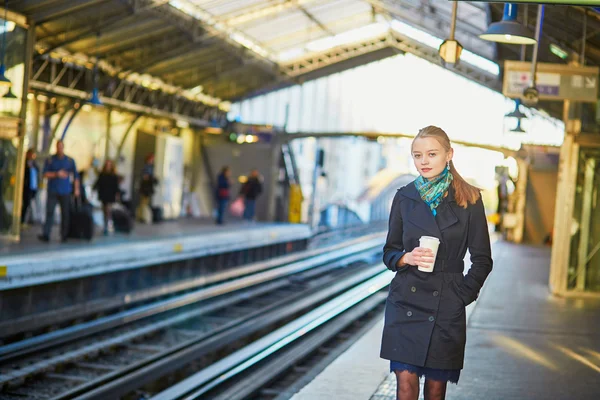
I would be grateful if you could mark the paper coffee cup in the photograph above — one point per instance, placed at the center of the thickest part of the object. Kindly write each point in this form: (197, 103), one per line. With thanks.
(431, 243)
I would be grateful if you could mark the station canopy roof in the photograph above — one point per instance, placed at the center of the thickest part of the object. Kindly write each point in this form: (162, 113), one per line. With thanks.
(230, 49)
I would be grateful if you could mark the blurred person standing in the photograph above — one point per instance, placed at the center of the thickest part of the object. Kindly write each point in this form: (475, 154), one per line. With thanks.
(63, 181)
(30, 183)
(107, 186)
(144, 210)
(222, 193)
(250, 191)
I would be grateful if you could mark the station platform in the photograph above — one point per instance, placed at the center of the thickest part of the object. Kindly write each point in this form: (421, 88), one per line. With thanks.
(33, 262)
(522, 343)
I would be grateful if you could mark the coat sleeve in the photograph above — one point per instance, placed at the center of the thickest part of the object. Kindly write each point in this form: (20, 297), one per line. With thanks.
(394, 247)
(478, 242)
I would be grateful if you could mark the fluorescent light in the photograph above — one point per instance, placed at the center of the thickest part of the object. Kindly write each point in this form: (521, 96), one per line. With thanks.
(10, 26)
(557, 51)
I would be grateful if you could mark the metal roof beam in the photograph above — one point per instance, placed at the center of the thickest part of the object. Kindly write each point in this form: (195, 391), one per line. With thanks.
(254, 13)
(193, 58)
(199, 71)
(429, 22)
(112, 26)
(164, 58)
(119, 104)
(229, 44)
(131, 44)
(63, 9)
(316, 21)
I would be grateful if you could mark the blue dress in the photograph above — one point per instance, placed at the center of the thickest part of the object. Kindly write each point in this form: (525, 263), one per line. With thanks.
(435, 374)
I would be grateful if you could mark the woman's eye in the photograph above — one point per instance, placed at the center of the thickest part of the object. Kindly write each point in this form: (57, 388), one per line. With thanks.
(417, 156)
(432, 154)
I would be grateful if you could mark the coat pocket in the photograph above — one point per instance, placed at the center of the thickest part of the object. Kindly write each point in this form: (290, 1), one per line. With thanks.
(396, 281)
(456, 281)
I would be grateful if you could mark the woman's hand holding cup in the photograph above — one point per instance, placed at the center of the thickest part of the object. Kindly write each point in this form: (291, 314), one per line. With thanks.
(419, 257)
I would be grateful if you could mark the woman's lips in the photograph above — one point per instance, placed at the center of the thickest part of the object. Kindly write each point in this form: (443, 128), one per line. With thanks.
(425, 169)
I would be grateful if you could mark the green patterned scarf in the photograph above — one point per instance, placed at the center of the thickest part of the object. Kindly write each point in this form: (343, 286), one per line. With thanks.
(432, 191)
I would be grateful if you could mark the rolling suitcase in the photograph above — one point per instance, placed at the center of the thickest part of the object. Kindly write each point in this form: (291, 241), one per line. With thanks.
(81, 224)
(122, 219)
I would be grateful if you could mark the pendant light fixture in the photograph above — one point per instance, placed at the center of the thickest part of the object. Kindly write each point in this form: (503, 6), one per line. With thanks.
(508, 30)
(95, 99)
(518, 128)
(4, 81)
(9, 94)
(516, 113)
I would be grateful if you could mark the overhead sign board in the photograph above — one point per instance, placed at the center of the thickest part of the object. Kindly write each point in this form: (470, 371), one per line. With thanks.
(553, 81)
(549, 2)
(9, 127)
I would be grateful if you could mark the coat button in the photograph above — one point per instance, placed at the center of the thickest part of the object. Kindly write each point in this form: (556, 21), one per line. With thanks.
(436, 293)
(431, 319)
(413, 289)
(409, 313)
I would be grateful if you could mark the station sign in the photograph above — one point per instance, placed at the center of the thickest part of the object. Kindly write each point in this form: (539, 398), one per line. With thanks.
(553, 81)
(9, 127)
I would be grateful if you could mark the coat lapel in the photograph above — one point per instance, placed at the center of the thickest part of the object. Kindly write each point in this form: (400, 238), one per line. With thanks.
(421, 215)
(446, 216)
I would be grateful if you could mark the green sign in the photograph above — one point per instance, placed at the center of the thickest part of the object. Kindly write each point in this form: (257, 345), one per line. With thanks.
(548, 2)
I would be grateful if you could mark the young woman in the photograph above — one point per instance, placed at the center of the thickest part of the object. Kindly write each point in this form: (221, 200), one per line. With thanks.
(425, 327)
(107, 186)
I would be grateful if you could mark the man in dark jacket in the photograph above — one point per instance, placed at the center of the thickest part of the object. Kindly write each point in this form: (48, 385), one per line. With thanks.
(30, 183)
(63, 180)
(251, 189)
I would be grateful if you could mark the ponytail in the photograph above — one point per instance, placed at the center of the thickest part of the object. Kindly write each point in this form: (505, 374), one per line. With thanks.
(464, 193)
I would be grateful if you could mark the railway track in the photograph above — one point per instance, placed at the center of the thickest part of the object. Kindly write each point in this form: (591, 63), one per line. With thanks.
(116, 355)
(279, 364)
(58, 318)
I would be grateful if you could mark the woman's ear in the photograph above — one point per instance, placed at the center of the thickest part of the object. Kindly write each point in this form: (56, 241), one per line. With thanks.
(450, 155)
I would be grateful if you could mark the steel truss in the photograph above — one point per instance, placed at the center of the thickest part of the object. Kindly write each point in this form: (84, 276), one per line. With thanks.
(52, 75)
(390, 39)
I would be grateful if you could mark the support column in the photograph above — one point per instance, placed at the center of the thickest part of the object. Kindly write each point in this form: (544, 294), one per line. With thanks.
(521, 198)
(20, 171)
(35, 135)
(563, 215)
(273, 187)
(108, 128)
(584, 226)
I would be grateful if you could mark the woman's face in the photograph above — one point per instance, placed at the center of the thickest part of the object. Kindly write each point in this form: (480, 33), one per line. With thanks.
(108, 166)
(430, 157)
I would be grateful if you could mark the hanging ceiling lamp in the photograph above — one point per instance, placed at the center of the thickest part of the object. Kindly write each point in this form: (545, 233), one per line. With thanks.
(508, 30)
(518, 128)
(516, 113)
(9, 94)
(95, 99)
(4, 81)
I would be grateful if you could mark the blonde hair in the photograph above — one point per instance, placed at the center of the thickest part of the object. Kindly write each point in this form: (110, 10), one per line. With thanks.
(465, 193)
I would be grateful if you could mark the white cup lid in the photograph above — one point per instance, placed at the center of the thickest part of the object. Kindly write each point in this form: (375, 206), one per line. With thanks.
(429, 238)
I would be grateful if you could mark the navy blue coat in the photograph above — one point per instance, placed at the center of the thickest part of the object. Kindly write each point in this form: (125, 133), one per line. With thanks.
(425, 311)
